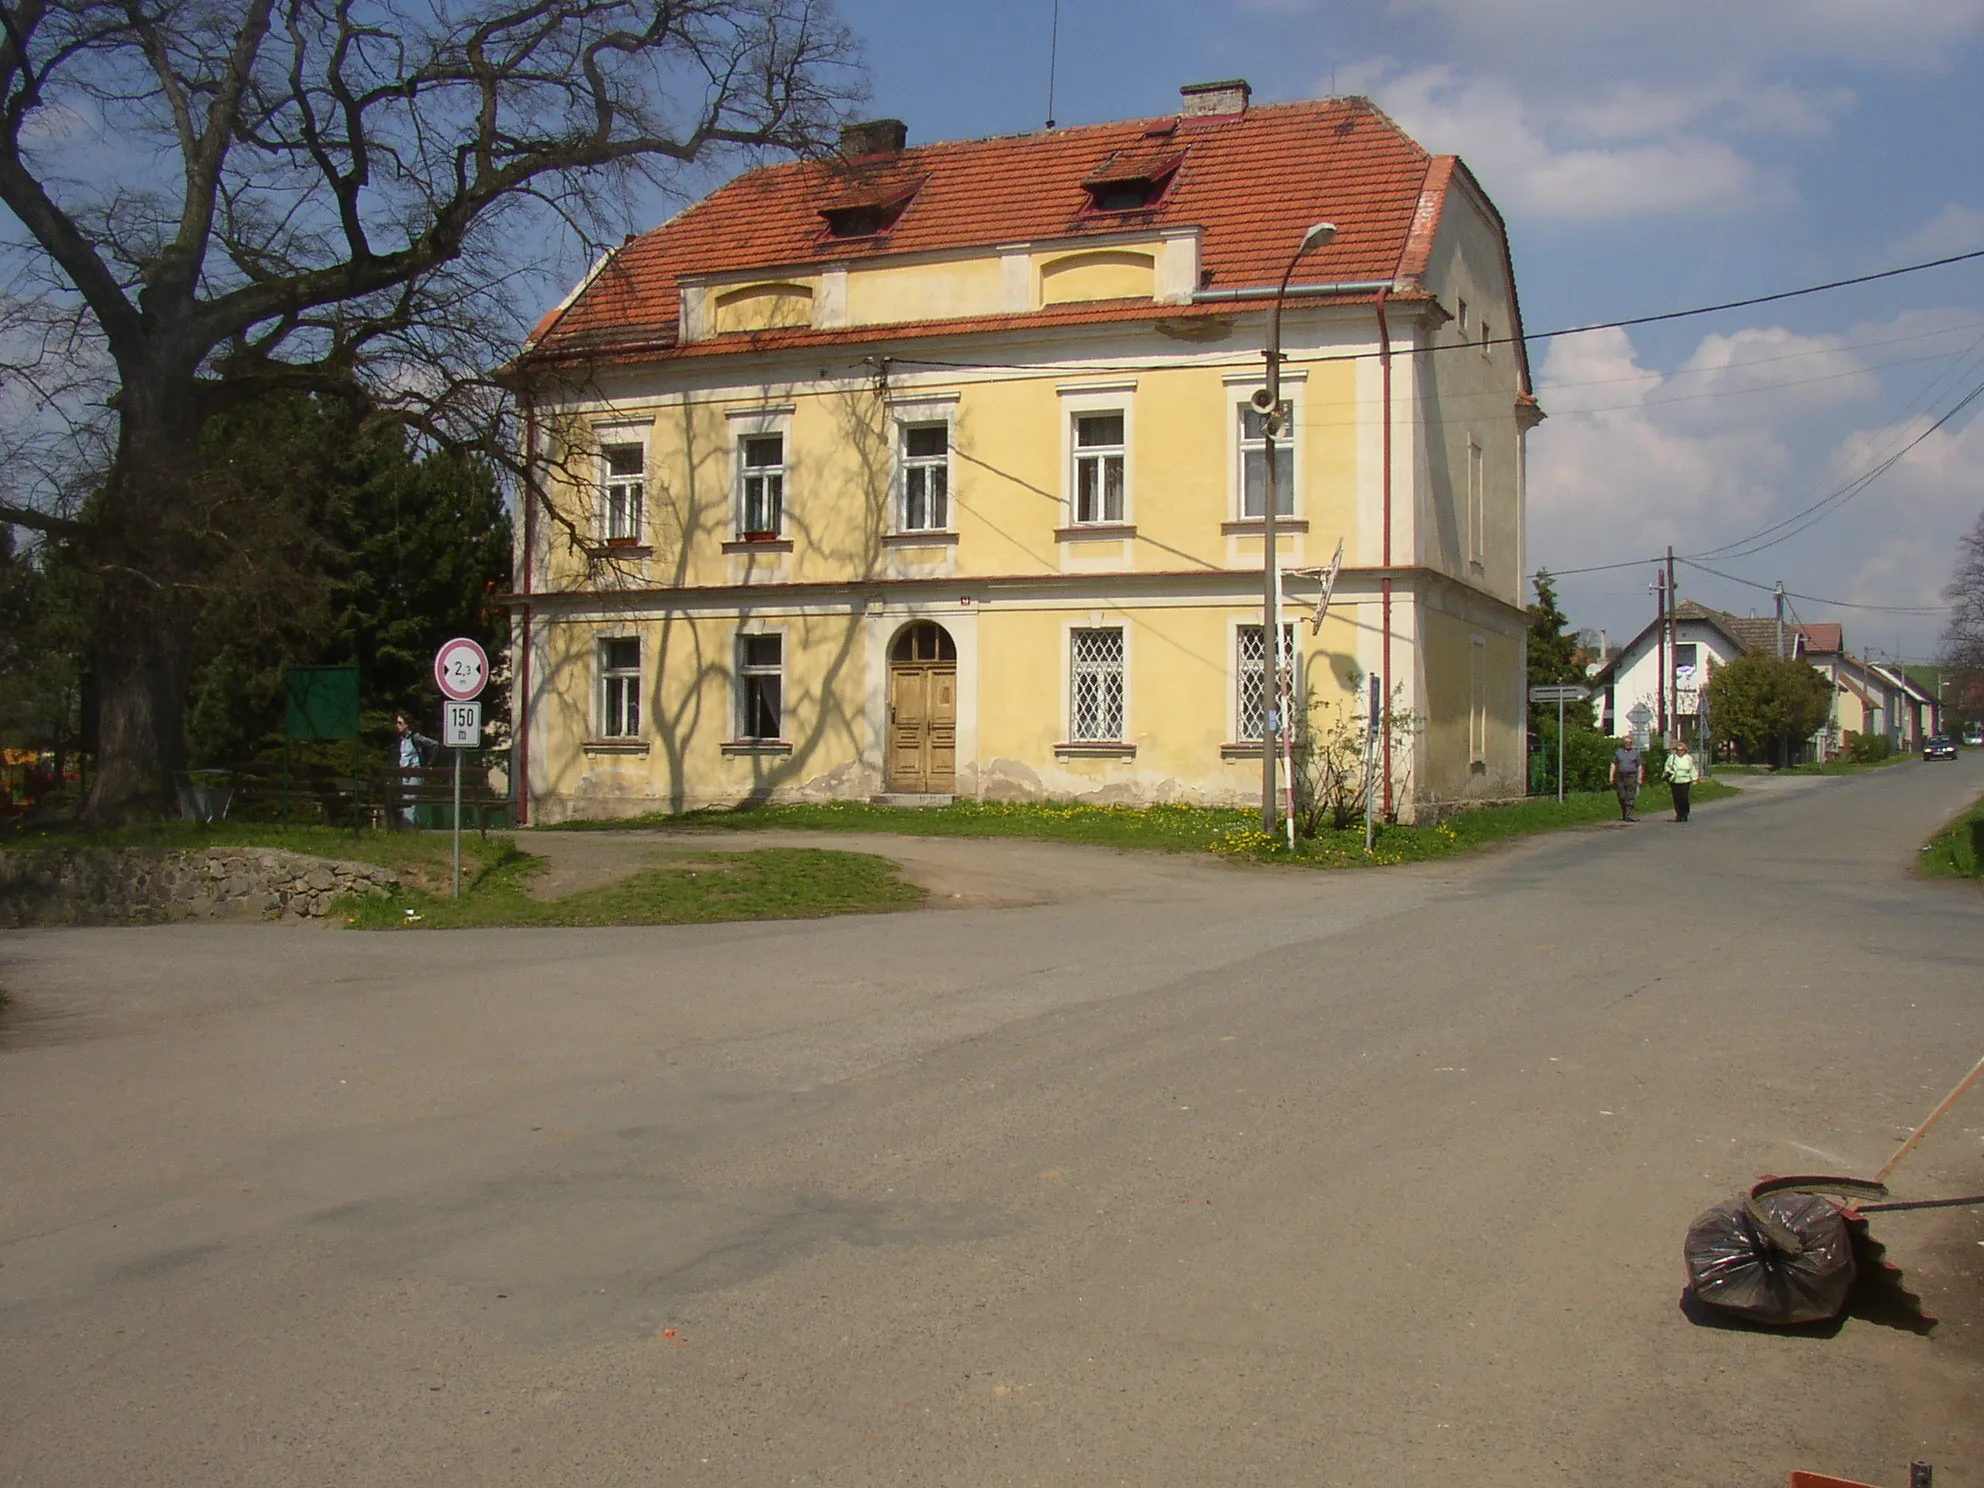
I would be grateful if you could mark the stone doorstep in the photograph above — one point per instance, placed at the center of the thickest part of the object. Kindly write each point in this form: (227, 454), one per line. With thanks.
(910, 800)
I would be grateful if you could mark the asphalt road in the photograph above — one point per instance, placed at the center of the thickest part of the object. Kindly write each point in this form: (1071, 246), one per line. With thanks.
(1196, 1175)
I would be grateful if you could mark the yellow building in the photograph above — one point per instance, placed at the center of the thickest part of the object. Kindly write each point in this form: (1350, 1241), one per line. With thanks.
(933, 471)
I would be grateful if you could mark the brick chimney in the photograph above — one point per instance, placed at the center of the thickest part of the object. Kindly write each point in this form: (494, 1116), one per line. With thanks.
(875, 137)
(1227, 97)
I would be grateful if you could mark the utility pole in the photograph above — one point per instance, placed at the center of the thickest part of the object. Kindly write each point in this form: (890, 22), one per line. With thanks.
(1667, 677)
(1783, 738)
(1659, 587)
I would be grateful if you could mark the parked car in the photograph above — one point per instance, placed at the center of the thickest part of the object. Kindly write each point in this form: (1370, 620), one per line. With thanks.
(1939, 746)
(1973, 737)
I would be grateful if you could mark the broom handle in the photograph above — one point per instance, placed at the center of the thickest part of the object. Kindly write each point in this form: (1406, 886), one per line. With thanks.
(1934, 1116)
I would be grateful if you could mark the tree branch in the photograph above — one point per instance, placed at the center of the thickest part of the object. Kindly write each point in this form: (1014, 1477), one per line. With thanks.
(38, 521)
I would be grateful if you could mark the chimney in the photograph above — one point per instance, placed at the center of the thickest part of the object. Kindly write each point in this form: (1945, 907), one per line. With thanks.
(1227, 97)
(876, 137)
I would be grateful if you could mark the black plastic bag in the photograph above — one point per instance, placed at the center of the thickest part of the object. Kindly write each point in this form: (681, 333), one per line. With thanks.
(1796, 1266)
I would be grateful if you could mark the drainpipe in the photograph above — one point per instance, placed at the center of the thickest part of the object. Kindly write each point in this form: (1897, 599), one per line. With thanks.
(1379, 287)
(1385, 654)
(520, 706)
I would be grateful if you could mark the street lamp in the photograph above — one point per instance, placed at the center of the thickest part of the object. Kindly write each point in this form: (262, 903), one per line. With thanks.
(1267, 403)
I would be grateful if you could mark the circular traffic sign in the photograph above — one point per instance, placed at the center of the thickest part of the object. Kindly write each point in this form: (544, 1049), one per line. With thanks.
(461, 669)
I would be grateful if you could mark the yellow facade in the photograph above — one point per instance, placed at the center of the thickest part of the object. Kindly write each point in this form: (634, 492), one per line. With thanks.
(738, 552)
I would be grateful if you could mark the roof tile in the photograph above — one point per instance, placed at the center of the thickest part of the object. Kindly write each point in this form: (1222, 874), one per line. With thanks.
(1251, 182)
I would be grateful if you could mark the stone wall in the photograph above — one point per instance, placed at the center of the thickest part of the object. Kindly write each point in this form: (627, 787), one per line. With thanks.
(150, 886)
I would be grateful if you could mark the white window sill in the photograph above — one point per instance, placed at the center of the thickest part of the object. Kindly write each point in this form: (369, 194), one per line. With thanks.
(1241, 749)
(758, 545)
(1096, 532)
(1096, 749)
(622, 547)
(615, 746)
(930, 539)
(749, 747)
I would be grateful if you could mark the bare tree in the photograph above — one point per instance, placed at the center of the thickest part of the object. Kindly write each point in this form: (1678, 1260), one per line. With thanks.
(221, 199)
(1963, 637)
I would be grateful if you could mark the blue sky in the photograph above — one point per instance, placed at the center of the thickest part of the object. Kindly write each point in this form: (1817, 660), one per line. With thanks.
(1647, 158)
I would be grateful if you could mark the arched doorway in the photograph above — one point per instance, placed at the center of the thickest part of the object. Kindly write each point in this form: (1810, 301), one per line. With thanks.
(923, 710)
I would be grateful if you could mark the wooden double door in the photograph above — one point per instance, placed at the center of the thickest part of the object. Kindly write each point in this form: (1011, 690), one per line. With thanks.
(923, 711)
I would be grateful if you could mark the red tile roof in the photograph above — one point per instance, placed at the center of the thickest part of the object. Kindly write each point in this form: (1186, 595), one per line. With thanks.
(1251, 182)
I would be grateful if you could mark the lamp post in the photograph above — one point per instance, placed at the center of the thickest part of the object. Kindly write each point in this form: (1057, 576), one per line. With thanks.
(1268, 404)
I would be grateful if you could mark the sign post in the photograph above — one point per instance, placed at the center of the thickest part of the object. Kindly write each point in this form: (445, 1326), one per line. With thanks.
(1572, 692)
(461, 669)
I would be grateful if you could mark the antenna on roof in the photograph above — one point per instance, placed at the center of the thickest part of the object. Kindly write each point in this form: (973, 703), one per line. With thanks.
(1053, 56)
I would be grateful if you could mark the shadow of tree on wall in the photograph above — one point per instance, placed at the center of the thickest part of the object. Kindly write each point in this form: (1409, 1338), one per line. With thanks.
(690, 696)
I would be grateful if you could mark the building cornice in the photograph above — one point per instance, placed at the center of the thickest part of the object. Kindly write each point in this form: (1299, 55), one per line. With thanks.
(971, 591)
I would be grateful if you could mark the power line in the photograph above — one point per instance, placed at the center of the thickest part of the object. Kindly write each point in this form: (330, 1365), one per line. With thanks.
(1765, 299)
(1818, 599)
(1578, 330)
(1826, 505)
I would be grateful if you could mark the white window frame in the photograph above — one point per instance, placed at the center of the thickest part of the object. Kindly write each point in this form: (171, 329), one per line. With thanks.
(742, 671)
(761, 476)
(909, 467)
(1077, 669)
(1089, 401)
(619, 690)
(1239, 393)
(1460, 318)
(614, 498)
(760, 423)
(1487, 339)
(1240, 668)
(1477, 505)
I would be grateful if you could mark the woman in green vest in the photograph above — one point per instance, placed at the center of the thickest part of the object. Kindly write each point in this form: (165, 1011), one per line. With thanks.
(1682, 773)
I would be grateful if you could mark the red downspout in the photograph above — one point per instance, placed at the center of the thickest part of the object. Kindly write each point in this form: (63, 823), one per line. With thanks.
(520, 708)
(1385, 661)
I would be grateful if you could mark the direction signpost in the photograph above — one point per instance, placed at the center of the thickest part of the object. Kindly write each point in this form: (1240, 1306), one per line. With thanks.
(461, 671)
(1571, 692)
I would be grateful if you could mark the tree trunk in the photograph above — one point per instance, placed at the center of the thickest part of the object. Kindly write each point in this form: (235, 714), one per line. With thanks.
(147, 557)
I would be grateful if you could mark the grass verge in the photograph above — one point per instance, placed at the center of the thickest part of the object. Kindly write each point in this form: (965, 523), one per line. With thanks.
(1958, 850)
(1826, 767)
(681, 888)
(1232, 832)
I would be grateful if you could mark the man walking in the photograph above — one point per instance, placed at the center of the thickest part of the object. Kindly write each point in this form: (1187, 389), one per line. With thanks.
(1628, 775)
(1682, 773)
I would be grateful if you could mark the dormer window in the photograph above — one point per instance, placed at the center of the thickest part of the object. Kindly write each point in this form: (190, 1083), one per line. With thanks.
(1124, 196)
(867, 209)
(1134, 179)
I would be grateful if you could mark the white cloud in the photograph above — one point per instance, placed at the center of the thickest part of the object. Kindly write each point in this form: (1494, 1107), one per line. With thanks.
(1914, 512)
(1632, 152)
(1955, 229)
(1627, 479)
(1648, 463)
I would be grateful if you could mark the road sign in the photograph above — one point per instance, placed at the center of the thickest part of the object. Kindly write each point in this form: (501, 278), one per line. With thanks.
(1572, 693)
(1639, 715)
(461, 668)
(461, 725)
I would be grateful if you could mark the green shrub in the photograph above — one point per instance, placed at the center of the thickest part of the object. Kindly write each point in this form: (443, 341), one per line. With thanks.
(1587, 758)
(1868, 749)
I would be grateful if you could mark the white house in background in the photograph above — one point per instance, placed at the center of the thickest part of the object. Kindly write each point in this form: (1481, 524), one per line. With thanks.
(1867, 699)
(1704, 639)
